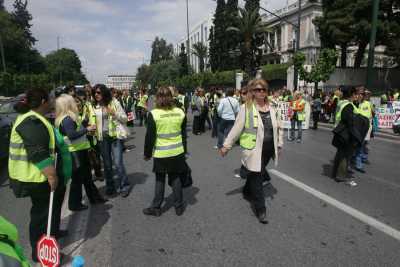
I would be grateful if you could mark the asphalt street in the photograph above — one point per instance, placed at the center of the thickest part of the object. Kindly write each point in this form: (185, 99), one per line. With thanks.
(219, 228)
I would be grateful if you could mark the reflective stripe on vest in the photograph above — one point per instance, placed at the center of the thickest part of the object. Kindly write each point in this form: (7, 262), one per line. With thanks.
(77, 144)
(19, 166)
(169, 137)
(248, 137)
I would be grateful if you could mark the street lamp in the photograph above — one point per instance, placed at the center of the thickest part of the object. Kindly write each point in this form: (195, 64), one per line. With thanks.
(188, 40)
(3, 61)
(371, 53)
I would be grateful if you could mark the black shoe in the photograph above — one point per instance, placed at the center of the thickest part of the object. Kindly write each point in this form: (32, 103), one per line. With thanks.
(180, 210)
(79, 208)
(360, 170)
(62, 234)
(247, 196)
(125, 193)
(262, 217)
(152, 212)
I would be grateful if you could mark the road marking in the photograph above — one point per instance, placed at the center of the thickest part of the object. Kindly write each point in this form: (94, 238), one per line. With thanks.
(340, 205)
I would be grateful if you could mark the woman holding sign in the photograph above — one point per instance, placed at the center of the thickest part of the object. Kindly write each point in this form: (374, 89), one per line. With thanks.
(259, 128)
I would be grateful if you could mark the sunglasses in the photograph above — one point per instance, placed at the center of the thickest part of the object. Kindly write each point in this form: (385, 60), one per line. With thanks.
(260, 90)
(98, 93)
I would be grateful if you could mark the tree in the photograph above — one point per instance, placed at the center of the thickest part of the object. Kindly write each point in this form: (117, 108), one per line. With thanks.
(23, 18)
(232, 38)
(249, 26)
(218, 44)
(321, 71)
(64, 66)
(161, 51)
(2, 8)
(183, 63)
(200, 51)
(143, 75)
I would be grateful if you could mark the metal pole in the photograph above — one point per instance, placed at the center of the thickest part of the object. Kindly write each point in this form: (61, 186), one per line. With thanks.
(296, 73)
(3, 60)
(371, 53)
(188, 41)
(59, 63)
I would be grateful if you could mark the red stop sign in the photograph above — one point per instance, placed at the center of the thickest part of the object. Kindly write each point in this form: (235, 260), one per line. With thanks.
(48, 252)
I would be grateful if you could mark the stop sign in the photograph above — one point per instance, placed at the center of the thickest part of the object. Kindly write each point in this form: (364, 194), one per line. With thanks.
(48, 252)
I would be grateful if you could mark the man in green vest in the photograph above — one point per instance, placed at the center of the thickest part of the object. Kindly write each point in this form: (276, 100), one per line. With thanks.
(11, 254)
(343, 139)
(31, 166)
(142, 106)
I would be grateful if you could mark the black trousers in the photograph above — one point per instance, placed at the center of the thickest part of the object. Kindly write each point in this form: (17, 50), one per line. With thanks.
(81, 175)
(142, 116)
(316, 115)
(342, 161)
(196, 125)
(175, 181)
(40, 198)
(254, 182)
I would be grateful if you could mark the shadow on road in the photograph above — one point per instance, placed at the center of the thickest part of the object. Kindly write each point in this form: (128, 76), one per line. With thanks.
(189, 197)
(269, 191)
(137, 178)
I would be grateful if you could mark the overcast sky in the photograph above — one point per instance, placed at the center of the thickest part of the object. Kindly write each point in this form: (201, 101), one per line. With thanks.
(111, 36)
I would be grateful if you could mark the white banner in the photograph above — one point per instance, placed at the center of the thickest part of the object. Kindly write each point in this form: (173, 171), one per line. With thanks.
(387, 114)
(283, 109)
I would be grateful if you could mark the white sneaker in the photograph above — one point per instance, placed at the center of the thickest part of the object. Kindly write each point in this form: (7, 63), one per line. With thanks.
(237, 176)
(215, 147)
(351, 183)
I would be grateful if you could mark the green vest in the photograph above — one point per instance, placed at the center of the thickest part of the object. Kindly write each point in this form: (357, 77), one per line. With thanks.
(169, 137)
(143, 101)
(11, 254)
(81, 143)
(88, 112)
(341, 106)
(19, 166)
(63, 150)
(249, 135)
(365, 109)
(301, 115)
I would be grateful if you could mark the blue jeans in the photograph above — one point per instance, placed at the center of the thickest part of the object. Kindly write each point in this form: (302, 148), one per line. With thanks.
(224, 127)
(299, 127)
(112, 151)
(361, 156)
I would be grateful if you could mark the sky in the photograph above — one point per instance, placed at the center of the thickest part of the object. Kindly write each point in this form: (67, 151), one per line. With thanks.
(114, 36)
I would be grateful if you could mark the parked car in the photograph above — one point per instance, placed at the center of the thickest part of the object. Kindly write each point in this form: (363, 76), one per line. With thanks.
(7, 117)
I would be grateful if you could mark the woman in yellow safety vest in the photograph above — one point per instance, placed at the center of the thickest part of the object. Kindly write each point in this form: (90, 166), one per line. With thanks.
(258, 126)
(165, 141)
(298, 116)
(110, 132)
(75, 131)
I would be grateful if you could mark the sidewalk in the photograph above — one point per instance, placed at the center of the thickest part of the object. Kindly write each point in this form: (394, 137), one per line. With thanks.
(383, 133)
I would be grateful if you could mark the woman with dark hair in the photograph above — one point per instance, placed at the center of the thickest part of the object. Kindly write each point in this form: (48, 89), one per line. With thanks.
(110, 121)
(259, 128)
(166, 142)
(33, 148)
(316, 108)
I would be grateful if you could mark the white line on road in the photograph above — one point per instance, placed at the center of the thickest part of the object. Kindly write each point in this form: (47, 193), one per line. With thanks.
(343, 207)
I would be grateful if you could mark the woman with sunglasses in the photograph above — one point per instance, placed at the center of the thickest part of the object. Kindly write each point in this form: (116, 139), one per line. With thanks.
(259, 128)
(110, 125)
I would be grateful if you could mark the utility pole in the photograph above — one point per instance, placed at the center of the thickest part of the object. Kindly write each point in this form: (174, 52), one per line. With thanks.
(188, 41)
(296, 73)
(3, 60)
(371, 53)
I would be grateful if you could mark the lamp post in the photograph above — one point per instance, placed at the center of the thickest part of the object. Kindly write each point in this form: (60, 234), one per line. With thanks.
(188, 40)
(296, 73)
(371, 53)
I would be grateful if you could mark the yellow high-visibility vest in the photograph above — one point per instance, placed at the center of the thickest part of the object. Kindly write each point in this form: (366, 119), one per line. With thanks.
(19, 167)
(248, 137)
(169, 137)
(81, 143)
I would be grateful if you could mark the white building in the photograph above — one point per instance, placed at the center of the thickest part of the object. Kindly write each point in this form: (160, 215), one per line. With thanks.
(120, 82)
(199, 33)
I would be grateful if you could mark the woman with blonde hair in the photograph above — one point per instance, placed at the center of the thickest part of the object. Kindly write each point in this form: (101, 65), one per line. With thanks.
(70, 125)
(258, 126)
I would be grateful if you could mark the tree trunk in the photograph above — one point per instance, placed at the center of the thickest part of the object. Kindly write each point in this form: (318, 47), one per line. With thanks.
(343, 56)
(315, 87)
(360, 54)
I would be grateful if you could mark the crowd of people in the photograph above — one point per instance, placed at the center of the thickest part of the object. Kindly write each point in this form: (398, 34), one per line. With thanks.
(79, 135)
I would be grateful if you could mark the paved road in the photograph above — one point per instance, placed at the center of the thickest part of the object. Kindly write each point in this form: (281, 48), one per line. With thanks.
(218, 227)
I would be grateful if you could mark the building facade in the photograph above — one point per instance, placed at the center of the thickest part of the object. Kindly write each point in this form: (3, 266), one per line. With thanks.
(199, 33)
(120, 82)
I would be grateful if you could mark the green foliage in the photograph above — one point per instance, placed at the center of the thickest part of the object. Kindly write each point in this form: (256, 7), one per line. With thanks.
(161, 51)
(13, 84)
(201, 52)
(23, 18)
(321, 71)
(275, 72)
(252, 5)
(218, 43)
(249, 26)
(183, 62)
(64, 66)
